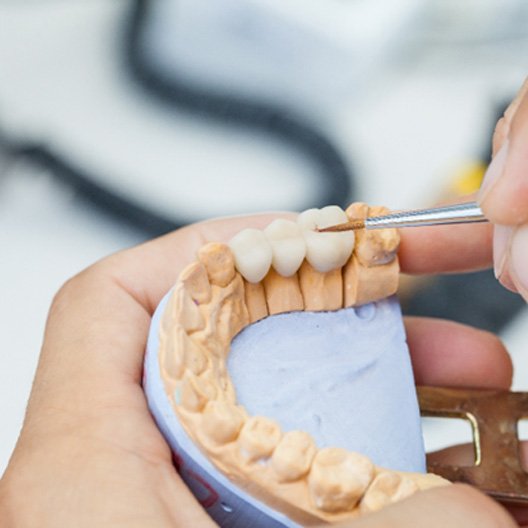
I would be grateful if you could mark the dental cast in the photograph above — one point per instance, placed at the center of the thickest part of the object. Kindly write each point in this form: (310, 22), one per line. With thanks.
(211, 303)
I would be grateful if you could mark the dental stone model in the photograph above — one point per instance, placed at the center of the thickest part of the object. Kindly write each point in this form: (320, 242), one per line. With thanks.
(311, 417)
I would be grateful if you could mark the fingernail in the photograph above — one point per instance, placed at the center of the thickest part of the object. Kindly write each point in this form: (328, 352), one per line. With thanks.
(494, 172)
(501, 242)
(519, 259)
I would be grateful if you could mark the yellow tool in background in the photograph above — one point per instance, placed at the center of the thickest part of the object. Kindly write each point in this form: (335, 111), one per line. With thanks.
(467, 178)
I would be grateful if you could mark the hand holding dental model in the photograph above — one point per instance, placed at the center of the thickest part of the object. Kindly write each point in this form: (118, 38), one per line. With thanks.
(90, 454)
(279, 359)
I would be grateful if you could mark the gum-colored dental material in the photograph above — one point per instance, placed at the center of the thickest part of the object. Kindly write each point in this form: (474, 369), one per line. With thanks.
(219, 263)
(255, 301)
(283, 384)
(283, 294)
(321, 291)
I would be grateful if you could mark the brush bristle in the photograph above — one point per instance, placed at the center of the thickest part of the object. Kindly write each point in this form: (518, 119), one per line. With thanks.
(353, 225)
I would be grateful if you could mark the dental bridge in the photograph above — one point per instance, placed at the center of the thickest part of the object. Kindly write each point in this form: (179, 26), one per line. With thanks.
(290, 267)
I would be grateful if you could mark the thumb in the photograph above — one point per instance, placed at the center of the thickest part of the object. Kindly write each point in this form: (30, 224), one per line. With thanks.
(504, 195)
(456, 506)
(504, 192)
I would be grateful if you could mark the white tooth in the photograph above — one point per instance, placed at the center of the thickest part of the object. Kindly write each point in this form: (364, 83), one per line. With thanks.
(308, 219)
(287, 244)
(331, 215)
(252, 253)
(326, 251)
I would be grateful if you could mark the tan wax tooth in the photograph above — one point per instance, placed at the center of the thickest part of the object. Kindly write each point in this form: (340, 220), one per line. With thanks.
(172, 358)
(194, 392)
(227, 312)
(321, 291)
(222, 421)
(184, 352)
(293, 456)
(283, 294)
(193, 354)
(255, 301)
(362, 285)
(194, 278)
(219, 263)
(228, 389)
(219, 377)
(406, 488)
(169, 316)
(425, 481)
(375, 247)
(357, 210)
(338, 479)
(387, 487)
(258, 438)
(183, 310)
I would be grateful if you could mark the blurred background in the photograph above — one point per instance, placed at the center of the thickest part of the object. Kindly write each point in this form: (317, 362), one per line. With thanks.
(122, 120)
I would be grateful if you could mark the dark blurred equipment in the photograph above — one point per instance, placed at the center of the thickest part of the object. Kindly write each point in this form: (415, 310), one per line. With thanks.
(476, 299)
(232, 108)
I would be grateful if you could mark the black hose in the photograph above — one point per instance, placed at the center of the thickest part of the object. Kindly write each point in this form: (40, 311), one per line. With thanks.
(229, 109)
(224, 108)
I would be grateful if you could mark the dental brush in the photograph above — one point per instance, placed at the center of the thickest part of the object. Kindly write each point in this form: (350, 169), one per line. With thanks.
(463, 213)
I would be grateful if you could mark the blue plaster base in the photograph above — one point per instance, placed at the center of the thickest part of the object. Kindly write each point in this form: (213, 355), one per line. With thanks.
(345, 377)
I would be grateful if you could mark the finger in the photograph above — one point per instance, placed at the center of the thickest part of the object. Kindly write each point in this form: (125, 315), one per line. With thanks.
(504, 195)
(503, 125)
(446, 249)
(517, 260)
(502, 238)
(462, 455)
(456, 506)
(504, 192)
(449, 354)
(510, 255)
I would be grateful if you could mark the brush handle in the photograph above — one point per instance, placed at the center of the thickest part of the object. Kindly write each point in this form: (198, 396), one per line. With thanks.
(452, 214)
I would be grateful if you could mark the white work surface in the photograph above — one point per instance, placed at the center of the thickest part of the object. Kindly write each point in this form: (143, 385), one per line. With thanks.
(415, 123)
